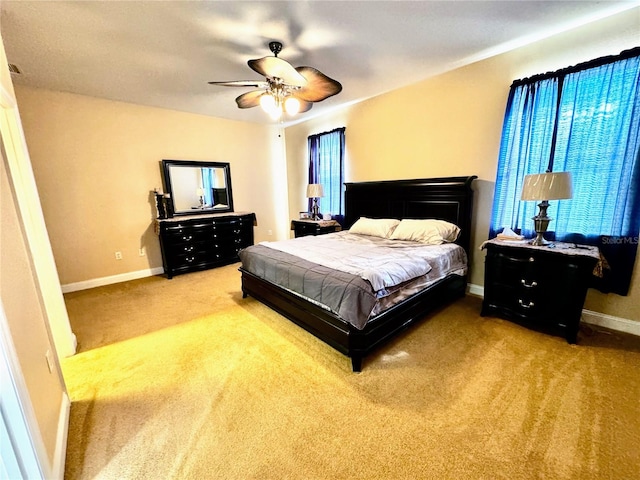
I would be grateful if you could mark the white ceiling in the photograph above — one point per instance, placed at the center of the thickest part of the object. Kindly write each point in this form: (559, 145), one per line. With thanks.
(163, 54)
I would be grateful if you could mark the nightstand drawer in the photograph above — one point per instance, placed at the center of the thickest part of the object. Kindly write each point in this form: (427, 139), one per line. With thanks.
(514, 271)
(302, 228)
(519, 301)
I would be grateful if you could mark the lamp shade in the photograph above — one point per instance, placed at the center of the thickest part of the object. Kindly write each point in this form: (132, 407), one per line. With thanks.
(314, 190)
(547, 186)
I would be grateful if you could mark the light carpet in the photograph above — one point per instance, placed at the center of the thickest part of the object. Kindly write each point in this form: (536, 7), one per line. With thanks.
(185, 379)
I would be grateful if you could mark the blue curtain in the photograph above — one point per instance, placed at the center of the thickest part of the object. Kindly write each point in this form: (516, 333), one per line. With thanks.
(208, 182)
(326, 167)
(585, 120)
(525, 149)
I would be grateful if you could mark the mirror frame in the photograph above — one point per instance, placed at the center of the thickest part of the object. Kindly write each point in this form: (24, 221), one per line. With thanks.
(168, 186)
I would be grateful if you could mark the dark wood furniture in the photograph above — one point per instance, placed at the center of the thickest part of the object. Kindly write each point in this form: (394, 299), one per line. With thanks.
(203, 241)
(302, 228)
(538, 287)
(449, 198)
(196, 187)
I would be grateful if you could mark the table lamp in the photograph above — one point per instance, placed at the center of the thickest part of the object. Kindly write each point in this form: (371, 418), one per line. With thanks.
(314, 190)
(200, 194)
(544, 187)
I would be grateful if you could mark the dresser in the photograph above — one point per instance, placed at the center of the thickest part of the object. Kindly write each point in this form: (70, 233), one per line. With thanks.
(199, 242)
(302, 228)
(542, 288)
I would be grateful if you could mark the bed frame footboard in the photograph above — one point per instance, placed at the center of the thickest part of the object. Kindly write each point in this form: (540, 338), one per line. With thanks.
(342, 336)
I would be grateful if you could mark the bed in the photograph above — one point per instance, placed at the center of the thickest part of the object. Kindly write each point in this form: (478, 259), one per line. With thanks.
(449, 199)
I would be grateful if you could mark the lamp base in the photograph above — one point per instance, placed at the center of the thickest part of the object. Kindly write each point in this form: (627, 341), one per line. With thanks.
(315, 210)
(539, 240)
(541, 222)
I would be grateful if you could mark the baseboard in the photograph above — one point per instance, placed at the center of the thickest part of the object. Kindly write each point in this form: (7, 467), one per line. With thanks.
(476, 290)
(60, 454)
(613, 323)
(592, 318)
(99, 282)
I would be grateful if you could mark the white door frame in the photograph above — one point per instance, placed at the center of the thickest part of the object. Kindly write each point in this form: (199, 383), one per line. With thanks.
(21, 446)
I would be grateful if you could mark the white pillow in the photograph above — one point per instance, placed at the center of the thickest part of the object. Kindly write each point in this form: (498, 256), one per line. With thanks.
(429, 232)
(376, 227)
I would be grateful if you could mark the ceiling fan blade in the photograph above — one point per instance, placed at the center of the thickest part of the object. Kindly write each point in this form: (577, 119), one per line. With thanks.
(318, 87)
(249, 99)
(274, 67)
(242, 83)
(304, 106)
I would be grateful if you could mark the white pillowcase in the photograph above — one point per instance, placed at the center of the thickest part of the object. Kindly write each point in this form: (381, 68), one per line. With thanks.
(376, 227)
(429, 232)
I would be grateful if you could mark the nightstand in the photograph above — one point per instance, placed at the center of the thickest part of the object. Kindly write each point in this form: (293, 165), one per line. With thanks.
(303, 228)
(542, 288)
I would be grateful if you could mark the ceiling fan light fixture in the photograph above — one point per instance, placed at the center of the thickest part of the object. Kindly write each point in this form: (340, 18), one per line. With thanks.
(270, 105)
(282, 81)
(292, 105)
(267, 102)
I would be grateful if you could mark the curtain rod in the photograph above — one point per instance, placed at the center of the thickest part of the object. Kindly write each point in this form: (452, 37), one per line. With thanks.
(330, 131)
(597, 62)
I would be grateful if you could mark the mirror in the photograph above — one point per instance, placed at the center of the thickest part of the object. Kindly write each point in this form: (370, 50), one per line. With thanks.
(197, 187)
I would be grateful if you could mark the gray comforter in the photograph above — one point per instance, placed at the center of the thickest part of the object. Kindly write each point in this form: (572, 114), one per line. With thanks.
(348, 295)
(352, 274)
(383, 263)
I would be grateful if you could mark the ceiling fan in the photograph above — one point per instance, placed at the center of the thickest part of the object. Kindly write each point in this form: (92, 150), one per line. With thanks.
(285, 88)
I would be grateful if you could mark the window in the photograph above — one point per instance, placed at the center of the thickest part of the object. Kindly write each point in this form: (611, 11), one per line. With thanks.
(326, 167)
(584, 120)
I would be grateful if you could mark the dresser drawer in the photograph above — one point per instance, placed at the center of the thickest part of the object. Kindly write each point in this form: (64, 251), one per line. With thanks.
(201, 246)
(203, 256)
(202, 234)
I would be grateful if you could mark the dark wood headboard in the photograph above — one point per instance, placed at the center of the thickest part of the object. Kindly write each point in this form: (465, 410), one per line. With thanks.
(447, 198)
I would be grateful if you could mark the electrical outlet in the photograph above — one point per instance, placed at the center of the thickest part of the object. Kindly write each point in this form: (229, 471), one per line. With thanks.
(269, 232)
(118, 255)
(141, 252)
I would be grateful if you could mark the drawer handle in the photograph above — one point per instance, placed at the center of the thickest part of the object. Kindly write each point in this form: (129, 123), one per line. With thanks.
(531, 259)
(186, 239)
(528, 285)
(523, 305)
(189, 248)
(190, 259)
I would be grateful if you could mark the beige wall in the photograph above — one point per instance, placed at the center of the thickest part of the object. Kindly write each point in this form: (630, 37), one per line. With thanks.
(451, 124)
(27, 320)
(96, 162)
(23, 245)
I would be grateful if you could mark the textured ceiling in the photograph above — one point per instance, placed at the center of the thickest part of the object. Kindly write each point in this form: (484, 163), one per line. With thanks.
(163, 53)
